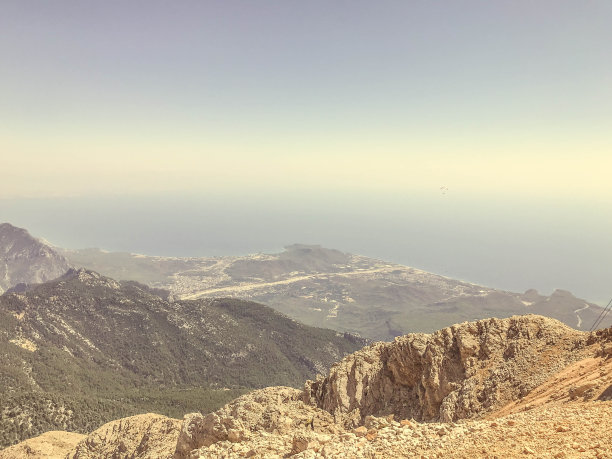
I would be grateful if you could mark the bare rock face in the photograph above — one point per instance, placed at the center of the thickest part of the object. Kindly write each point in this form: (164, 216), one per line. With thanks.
(604, 339)
(458, 372)
(274, 410)
(26, 260)
(50, 445)
(136, 437)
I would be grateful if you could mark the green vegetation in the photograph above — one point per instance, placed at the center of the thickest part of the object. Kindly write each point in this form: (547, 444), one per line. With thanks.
(85, 349)
(31, 413)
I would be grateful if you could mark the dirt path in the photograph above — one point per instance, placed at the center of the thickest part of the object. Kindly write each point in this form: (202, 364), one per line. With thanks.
(259, 285)
(577, 311)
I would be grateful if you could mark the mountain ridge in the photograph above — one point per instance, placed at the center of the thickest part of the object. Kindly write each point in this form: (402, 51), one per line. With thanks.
(119, 347)
(317, 286)
(27, 260)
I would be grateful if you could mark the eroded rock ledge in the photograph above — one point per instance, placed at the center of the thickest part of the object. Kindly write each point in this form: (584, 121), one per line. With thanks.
(458, 372)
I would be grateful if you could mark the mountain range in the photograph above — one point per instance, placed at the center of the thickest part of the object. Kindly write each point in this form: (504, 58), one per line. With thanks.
(87, 344)
(174, 335)
(317, 286)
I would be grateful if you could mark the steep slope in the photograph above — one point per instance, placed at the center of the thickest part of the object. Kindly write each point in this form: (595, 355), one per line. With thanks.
(327, 288)
(121, 349)
(458, 372)
(487, 368)
(24, 259)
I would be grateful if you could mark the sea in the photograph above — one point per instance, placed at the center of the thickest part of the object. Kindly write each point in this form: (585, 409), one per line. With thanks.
(498, 241)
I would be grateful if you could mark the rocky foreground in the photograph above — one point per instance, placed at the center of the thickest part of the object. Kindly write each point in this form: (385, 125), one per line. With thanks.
(523, 386)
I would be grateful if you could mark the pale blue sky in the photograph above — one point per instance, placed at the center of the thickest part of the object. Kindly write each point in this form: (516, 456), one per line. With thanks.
(211, 127)
(140, 96)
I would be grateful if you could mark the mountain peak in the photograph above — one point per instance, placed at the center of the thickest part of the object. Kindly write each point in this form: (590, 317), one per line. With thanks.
(562, 293)
(82, 273)
(25, 259)
(90, 278)
(10, 235)
(7, 227)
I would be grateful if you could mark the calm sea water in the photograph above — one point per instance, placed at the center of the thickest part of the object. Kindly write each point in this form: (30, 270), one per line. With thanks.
(502, 243)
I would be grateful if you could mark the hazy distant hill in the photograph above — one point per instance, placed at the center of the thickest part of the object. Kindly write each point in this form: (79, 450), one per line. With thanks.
(24, 259)
(84, 348)
(328, 288)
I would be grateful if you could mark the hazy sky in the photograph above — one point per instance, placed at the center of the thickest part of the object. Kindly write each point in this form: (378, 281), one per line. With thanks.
(120, 97)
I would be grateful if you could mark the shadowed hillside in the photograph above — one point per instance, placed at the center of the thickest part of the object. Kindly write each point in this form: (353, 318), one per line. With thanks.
(87, 348)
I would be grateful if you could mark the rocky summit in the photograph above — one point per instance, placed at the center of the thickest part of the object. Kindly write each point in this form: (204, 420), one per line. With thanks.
(27, 260)
(525, 386)
(458, 372)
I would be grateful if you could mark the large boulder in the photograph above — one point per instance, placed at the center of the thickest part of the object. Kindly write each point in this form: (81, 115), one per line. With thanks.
(145, 436)
(274, 410)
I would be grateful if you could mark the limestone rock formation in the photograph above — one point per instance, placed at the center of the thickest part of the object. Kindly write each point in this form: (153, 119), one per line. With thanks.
(458, 372)
(142, 436)
(50, 445)
(543, 388)
(274, 410)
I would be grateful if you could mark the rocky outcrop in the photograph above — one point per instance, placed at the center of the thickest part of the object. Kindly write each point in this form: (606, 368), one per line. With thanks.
(274, 410)
(458, 372)
(553, 431)
(604, 339)
(572, 429)
(27, 260)
(465, 371)
(142, 436)
(50, 445)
